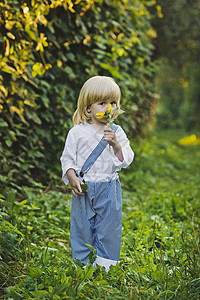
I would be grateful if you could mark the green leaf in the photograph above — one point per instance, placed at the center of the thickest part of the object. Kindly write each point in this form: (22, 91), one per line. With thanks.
(84, 187)
(115, 110)
(35, 272)
(113, 70)
(3, 123)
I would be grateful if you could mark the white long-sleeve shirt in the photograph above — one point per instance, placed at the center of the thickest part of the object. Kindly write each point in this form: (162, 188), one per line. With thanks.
(80, 142)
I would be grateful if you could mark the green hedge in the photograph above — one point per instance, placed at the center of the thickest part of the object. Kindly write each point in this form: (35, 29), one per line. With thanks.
(47, 51)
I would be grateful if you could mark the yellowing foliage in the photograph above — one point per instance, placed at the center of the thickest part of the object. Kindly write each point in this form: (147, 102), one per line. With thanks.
(189, 140)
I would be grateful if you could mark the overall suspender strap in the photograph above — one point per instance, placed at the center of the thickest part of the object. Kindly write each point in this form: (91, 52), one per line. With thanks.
(95, 154)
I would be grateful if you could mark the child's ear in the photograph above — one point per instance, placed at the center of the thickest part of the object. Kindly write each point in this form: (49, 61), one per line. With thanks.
(89, 109)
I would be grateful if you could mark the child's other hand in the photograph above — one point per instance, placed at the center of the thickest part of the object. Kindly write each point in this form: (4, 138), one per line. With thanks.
(76, 187)
(75, 183)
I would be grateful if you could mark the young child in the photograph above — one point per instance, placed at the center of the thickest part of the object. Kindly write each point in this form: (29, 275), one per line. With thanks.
(96, 214)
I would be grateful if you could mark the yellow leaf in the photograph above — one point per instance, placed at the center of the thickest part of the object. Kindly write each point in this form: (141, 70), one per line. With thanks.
(59, 63)
(14, 109)
(120, 51)
(27, 102)
(11, 36)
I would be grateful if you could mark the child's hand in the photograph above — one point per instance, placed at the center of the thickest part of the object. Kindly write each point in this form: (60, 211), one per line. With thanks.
(75, 183)
(110, 137)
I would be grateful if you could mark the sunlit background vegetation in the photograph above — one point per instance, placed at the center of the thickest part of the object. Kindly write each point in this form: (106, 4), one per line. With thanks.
(48, 49)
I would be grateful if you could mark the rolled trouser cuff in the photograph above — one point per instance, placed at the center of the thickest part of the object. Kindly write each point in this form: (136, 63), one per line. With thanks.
(105, 262)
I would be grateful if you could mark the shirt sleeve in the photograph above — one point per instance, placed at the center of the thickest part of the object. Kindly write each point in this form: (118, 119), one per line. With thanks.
(68, 158)
(127, 152)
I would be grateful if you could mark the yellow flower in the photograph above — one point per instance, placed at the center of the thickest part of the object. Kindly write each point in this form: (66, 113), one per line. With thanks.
(100, 115)
(106, 114)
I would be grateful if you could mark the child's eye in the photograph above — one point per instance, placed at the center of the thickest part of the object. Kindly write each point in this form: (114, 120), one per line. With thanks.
(102, 103)
(113, 103)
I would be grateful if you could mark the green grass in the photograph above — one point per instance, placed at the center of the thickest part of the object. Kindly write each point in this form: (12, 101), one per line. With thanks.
(160, 255)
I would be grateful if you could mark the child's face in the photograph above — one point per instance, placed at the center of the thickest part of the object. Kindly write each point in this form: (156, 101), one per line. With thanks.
(100, 107)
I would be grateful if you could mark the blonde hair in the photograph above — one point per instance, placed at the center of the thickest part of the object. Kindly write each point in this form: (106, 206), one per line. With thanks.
(95, 89)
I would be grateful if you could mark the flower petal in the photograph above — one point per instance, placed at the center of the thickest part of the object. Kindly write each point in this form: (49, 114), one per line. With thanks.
(109, 107)
(100, 115)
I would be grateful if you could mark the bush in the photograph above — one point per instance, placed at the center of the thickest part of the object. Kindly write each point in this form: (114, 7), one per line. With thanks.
(48, 50)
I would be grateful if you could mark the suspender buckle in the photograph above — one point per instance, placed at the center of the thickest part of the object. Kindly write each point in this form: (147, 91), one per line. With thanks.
(81, 174)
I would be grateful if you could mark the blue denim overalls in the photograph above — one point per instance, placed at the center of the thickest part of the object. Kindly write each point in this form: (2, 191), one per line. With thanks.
(96, 217)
